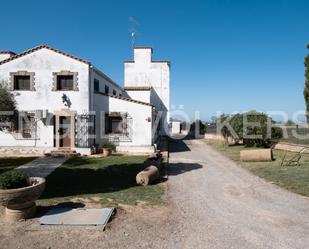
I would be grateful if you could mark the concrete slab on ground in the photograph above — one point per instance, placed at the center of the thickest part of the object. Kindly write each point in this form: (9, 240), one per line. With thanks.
(77, 217)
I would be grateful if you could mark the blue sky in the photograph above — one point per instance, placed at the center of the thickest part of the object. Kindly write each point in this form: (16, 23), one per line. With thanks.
(227, 55)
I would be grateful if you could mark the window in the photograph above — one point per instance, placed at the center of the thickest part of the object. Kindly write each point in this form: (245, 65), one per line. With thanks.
(96, 85)
(65, 82)
(26, 124)
(115, 125)
(114, 92)
(22, 82)
(119, 125)
(107, 89)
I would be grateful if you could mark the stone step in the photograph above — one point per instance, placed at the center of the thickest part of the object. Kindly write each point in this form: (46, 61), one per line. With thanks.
(62, 153)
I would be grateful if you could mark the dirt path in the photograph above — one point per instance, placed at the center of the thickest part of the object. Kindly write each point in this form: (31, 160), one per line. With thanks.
(221, 205)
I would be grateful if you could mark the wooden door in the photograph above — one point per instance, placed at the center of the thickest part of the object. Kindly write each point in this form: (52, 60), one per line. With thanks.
(65, 131)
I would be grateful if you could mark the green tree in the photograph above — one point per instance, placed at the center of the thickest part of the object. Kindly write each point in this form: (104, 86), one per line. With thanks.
(200, 125)
(306, 90)
(253, 128)
(8, 112)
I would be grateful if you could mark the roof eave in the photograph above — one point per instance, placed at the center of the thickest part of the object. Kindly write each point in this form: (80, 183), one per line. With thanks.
(126, 99)
(105, 76)
(29, 51)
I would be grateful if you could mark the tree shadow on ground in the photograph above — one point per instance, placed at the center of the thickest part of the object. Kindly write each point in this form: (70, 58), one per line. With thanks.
(181, 168)
(72, 181)
(9, 163)
(177, 146)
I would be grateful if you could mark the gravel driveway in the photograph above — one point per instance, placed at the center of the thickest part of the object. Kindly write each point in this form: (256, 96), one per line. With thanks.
(221, 205)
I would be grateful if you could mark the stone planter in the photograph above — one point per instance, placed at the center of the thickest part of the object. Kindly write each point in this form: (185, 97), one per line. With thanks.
(106, 152)
(20, 202)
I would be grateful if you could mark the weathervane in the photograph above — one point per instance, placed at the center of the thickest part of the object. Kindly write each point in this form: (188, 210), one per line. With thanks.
(133, 31)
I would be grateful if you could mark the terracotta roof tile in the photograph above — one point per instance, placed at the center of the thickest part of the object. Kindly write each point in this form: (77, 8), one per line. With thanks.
(15, 56)
(137, 88)
(126, 99)
(40, 47)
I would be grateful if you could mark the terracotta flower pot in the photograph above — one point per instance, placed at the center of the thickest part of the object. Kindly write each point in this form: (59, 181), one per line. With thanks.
(106, 152)
(20, 202)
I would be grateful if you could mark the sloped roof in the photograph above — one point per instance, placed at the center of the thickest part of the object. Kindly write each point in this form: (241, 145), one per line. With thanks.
(15, 56)
(137, 88)
(7, 52)
(126, 99)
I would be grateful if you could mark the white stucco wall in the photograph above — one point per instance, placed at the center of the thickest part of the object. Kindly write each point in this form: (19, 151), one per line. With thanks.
(175, 127)
(145, 72)
(148, 96)
(43, 63)
(94, 74)
(141, 95)
(156, 100)
(44, 132)
(103, 81)
(141, 127)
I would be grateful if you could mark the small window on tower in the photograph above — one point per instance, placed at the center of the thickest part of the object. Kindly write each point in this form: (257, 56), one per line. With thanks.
(107, 89)
(96, 85)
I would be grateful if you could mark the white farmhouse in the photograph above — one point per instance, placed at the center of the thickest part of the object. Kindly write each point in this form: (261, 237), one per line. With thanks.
(66, 103)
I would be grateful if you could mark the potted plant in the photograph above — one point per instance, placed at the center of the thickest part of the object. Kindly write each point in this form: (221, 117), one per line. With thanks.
(108, 148)
(18, 194)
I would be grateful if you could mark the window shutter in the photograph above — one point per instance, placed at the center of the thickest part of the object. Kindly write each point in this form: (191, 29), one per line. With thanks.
(26, 82)
(70, 83)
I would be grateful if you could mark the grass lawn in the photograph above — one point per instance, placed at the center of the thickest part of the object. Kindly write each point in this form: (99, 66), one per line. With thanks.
(293, 178)
(107, 181)
(9, 163)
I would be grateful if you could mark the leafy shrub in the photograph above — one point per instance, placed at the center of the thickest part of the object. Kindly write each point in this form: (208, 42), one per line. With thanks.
(108, 146)
(201, 126)
(13, 179)
(250, 127)
(276, 133)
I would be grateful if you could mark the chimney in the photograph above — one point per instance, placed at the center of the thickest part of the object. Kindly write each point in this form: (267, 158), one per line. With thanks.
(143, 55)
(6, 55)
